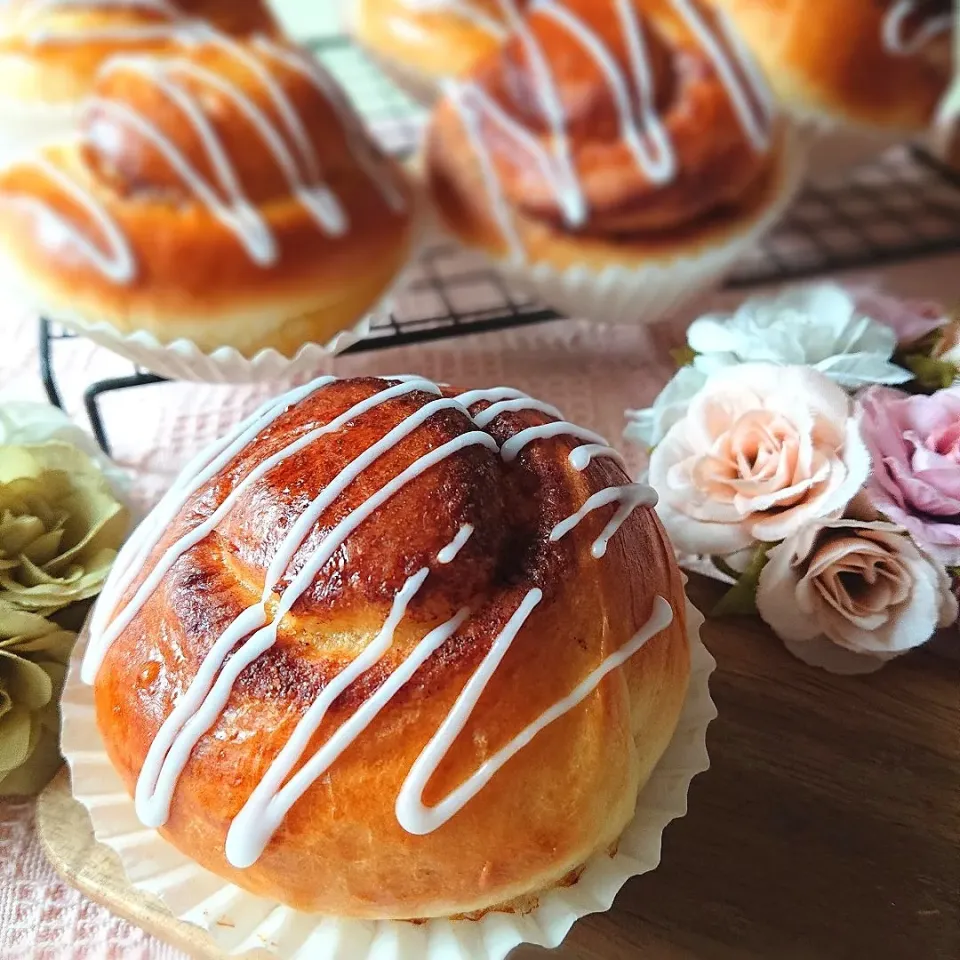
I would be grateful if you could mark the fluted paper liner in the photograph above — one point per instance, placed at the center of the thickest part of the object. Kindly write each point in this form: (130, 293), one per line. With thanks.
(183, 359)
(240, 922)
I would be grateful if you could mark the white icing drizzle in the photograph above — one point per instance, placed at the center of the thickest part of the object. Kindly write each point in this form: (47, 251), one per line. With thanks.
(361, 147)
(418, 819)
(756, 119)
(198, 472)
(655, 157)
(460, 8)
(511, 449)
(155, 794)
(449, 553)
(896, 19)
(629, 497)
(204, 529)
(642, 128)
(254, 631)
(505, 406)
(287, 140)
(270, 801)
(580, 457)
(471, 397)
(117, 263)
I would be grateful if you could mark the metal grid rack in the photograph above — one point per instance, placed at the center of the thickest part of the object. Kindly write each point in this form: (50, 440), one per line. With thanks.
(902, 206)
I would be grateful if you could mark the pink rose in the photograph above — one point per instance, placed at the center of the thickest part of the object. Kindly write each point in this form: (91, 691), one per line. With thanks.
(850, 594)
(761, 451)
(915, 445)
(910, 320)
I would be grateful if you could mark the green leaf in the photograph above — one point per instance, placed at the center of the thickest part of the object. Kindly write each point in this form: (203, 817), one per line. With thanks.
(931, 374)
(954, 572)
(741, 599)
(683, 356)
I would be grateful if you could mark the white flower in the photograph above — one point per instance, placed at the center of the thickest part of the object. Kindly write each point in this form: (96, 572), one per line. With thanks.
(818, 326)
(849, 594)
(761, 451)
(648, 427)
(26, 424)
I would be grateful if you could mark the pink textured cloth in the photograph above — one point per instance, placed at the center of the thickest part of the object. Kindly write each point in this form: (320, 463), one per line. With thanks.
(591, 373)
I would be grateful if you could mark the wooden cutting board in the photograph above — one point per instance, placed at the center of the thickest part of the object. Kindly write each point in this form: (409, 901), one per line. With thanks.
(828, 827)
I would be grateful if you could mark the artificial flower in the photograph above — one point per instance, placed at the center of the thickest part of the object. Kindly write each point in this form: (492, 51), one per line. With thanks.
(915, 445)
(25, 423)
(648, 427)
(60, 526)
(849, 594)
(910, 320)
(761, 451)
(33, 657)
(821, 326)
(935, 360)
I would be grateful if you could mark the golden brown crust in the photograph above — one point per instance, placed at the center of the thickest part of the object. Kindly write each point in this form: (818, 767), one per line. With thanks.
(341, 851)
(425, 46)
(195, 277)
(462, 202)
(827, 59)
(45, 60)
(721, 178)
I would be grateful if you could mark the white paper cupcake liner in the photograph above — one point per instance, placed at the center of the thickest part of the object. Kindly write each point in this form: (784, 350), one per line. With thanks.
(183, 359)
(651, 292)
(238, 921)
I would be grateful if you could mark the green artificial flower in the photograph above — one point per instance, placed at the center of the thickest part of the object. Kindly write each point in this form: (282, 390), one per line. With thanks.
(60, 527)
(33, 660)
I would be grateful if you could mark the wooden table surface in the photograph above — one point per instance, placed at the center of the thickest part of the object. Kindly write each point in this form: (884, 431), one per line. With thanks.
(827, 828)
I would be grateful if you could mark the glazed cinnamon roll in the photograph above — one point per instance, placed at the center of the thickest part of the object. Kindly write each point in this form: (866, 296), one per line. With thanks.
(616, 154)
(421, 43)
(51, 50)
(879, 65)
(393, 651)
(224, 193)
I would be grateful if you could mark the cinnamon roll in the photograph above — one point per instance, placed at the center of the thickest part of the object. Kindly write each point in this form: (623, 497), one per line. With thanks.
(223, 193)
(51, 50)
(879, 65)
(421, 43)
(616, 155)
(391, 650)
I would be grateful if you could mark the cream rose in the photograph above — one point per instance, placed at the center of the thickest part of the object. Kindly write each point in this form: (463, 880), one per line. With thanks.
(762, 451)
(852, 593)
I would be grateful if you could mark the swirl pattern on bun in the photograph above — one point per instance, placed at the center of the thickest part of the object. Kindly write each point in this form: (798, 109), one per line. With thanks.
(633, 121)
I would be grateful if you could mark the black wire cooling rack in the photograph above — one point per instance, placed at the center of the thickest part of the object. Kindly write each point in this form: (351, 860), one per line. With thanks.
(902, 206)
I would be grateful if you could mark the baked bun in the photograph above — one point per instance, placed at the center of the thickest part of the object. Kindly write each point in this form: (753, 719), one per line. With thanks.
(610, 134)
(51, 50)
(421, 43)
(875, 64)
(375, 657)
(224, 193)
(641, 157)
